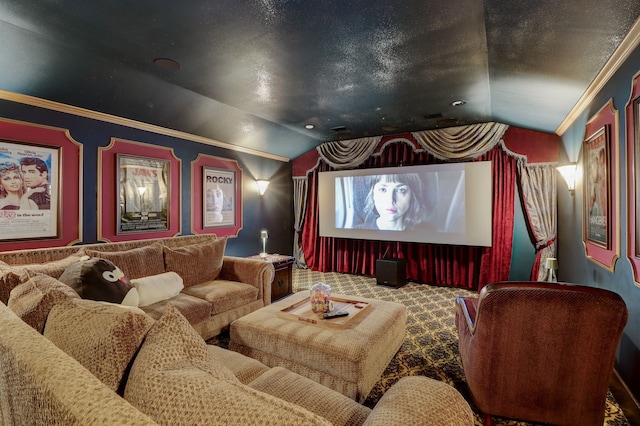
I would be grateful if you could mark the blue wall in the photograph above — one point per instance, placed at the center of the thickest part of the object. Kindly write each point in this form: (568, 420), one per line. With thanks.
(523, 252)
(273, 212)
(574, 265)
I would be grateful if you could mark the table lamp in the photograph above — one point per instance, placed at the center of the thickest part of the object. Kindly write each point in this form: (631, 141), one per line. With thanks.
(552, 265)
(264, 236)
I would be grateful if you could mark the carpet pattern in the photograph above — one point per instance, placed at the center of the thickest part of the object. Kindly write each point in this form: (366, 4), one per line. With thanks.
(431, 343)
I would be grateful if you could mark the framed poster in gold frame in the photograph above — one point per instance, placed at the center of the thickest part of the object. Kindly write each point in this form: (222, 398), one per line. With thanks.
(601, 188)
(123, 212)
(58, 195)
(632, 113)
(216, 186)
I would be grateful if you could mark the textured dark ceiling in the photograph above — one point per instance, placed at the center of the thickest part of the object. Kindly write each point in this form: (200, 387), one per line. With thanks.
(253, 73)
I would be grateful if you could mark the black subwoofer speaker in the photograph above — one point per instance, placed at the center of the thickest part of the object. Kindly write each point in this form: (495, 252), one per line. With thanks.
(391, 272)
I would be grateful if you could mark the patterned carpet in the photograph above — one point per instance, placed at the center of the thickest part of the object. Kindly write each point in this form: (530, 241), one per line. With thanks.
(431, 344)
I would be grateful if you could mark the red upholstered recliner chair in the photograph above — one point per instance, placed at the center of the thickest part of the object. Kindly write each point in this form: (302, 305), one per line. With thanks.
(540, 352)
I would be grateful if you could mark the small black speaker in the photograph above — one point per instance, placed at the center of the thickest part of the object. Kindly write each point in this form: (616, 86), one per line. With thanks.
(391, 272)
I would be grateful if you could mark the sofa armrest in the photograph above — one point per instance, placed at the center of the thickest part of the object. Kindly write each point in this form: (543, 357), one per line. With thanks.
(255, 272)
(418, 400)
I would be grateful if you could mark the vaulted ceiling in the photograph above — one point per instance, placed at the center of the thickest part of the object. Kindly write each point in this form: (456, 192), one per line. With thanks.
(253, 73)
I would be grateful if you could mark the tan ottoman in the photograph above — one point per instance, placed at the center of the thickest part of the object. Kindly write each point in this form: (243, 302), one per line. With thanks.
(349, 360)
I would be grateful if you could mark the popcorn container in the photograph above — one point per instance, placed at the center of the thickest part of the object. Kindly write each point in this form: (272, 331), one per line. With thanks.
(320, 297)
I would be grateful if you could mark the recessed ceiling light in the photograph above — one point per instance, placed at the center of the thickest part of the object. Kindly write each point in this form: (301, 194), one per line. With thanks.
(167, 64)
(309, 126)
(459, 102)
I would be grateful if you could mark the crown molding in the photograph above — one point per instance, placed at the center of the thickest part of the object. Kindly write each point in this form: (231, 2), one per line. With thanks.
(87, 113)
(621, 54)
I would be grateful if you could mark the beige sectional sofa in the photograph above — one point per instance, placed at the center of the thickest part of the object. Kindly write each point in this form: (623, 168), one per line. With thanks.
(73, 361)
(116, 365)
(240, 285)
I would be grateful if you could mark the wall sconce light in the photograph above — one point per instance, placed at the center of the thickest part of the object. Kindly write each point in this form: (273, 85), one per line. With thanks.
(552, 265)
(569, 174)
(264, 236)
(262, 186)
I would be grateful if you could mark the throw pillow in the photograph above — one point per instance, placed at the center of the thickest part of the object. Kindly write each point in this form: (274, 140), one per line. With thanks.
(156, 288)
(135, 263)
(99, 279)
(54, 268)
(103, 337)
(33, 300)
(196, 263)
(14, 275)
(174, 365)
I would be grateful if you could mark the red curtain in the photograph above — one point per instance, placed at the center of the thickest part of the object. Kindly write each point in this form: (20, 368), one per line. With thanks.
(448, 265)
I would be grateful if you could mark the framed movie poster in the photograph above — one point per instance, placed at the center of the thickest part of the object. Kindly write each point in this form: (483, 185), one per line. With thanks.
(216, 202)
(633, 178)
(59, 222)
(143, 194)
(29, 191)
(601, 188)
(138, 191)
(597, 187)
(218, 192)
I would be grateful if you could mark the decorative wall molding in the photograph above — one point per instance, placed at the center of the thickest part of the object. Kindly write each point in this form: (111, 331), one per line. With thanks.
(87, 113)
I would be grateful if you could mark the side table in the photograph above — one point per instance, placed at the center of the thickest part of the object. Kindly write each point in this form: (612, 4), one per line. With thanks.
(283, 280)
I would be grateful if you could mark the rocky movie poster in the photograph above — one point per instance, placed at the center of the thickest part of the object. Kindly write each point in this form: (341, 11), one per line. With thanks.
(144, 194)
(29, 185)
(219, 189)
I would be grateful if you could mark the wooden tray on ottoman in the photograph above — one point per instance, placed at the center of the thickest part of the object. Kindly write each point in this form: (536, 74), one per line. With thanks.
(301, 311)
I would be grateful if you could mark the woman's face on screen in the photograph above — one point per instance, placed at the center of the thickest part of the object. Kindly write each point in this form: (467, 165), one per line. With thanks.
(391, 199)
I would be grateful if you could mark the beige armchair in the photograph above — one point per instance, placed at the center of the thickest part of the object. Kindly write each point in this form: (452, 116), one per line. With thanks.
(540, 352)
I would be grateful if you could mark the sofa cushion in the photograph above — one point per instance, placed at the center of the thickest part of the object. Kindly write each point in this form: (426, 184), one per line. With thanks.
(244, 368)
(32, 301)
(194, 309)
(196, 263)
(175, 379)
(135, 263)
(101, 336)
(99, 279)
(312, 396)
(223, 295)
(157, 288)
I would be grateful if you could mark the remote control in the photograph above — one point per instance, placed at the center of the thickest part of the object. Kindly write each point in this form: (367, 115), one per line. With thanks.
(335, 315)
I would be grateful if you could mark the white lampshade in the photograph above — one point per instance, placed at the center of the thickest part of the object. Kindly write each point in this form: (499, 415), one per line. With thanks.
(262, 186)
(551, 263)
(569, 174)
